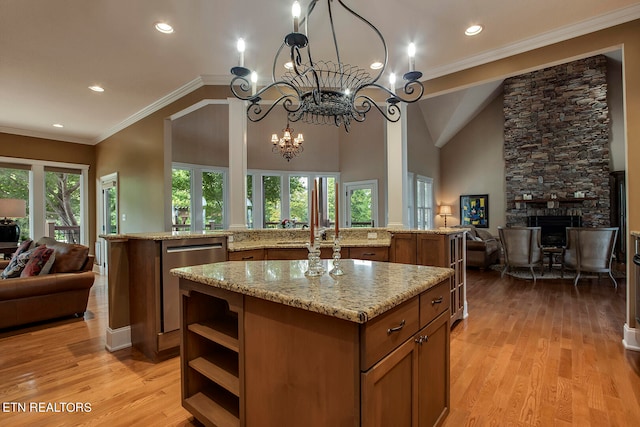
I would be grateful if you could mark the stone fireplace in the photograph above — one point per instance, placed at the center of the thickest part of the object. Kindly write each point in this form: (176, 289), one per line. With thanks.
(553, 227)
(556, 143)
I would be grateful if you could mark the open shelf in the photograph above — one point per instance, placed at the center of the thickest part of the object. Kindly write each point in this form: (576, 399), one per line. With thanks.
(223, 332)
(212, 352)
(223, 372)
(219, 414)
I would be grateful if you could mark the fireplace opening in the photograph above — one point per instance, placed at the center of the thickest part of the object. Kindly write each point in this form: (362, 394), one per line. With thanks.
(554, 233)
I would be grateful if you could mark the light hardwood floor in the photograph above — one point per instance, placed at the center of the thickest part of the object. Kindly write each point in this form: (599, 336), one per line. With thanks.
(527, 355)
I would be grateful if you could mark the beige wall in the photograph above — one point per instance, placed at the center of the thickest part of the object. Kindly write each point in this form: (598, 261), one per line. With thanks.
(423, 157)
(363, 157)
(202, 136)
(473, 163)
(26, 147)
(321, 145)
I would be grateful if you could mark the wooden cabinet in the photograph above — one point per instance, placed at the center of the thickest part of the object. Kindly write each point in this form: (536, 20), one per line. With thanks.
(247, 361)
(410, 386)
(154, 296)
(438, 250)
(403, 248)
(211, 359)
(370, 253)
(248, 255)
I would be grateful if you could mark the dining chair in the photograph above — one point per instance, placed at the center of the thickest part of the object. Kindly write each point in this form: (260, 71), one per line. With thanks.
(521, 248)
(589, 250)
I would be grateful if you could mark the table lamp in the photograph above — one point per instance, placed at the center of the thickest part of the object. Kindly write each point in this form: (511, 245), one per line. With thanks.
(445, 211)
(11, 208)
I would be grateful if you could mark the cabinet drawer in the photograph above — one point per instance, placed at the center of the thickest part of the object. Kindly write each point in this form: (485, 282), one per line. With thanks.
(384, 333)
(371, 254)
(248, 255)
(434, 302)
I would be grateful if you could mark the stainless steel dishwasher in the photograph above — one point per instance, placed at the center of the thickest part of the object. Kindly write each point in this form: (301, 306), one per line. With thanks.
(184, 253)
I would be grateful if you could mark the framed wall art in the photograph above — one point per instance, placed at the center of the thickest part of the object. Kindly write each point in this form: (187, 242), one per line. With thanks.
(474, 210)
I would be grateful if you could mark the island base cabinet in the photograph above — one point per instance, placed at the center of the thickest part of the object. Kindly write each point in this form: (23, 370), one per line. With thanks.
(410, 387)
(302, 368)
(211, 355)
(246, 361)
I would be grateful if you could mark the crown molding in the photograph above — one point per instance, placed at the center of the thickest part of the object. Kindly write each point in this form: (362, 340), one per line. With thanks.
(45, 135)
(152, 108)
(598, 23)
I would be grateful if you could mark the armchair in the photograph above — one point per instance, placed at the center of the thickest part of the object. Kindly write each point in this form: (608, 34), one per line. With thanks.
(521, 248)
(589, 250)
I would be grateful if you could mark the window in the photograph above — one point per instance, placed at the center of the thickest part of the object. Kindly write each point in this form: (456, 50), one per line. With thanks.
(299, 200)
(213, 200)
(62, 197)
(181, 199)
(361, 203)
(424, 202)
(284, 195)
(14, 184)
(272, 204)
(56, 196)
(198, 197)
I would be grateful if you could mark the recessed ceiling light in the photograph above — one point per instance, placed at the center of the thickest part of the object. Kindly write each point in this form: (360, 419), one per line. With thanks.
(96, 88)
(473, 30)
(163, 27)
(58, 125)
(376, 65)
(288, 65)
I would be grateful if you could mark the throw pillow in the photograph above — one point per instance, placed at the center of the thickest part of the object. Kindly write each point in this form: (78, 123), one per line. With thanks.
(38, 262)
(24, 246)
(16, 265)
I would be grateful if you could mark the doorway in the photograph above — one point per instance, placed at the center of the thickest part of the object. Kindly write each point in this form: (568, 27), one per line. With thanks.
(108, 216)
(361, 203)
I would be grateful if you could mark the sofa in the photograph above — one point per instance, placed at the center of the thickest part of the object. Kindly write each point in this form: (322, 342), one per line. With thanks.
(483, 250)
(61, 292)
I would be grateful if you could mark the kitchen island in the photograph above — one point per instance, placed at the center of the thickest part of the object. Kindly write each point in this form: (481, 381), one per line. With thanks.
(262, 344)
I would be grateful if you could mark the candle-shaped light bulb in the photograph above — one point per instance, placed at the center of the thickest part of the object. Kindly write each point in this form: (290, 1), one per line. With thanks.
(254, 82)
(412, 56)
(295, 11)
(392, 82)
(241, 48)
(275, 139)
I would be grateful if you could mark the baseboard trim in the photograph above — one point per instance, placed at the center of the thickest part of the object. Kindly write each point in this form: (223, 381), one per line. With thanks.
(117, 339)
(631, 340)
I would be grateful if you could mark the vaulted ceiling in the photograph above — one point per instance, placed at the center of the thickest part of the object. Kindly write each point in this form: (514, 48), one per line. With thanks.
(52, 51)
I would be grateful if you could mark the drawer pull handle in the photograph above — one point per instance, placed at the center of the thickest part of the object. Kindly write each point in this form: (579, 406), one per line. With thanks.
(368, 254)
(422, 339)
(437, 301)
(247, 257)
(396, 329)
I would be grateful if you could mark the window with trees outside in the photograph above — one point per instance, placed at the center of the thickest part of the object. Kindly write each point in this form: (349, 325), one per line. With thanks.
(198, 196)
(14, 184)
(286, 198)
(62, 211)
(275, 199)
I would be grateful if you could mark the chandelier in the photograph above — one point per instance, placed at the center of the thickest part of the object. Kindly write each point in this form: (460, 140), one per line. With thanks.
(324, 91)
(286, 146)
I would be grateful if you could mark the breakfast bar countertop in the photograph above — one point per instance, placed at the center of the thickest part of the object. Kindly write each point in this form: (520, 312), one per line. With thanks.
(366, 290)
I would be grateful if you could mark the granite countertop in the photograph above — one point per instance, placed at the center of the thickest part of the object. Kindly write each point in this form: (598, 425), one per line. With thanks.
(635, 233)
(366, 290)
(282, 238)
(166, 235)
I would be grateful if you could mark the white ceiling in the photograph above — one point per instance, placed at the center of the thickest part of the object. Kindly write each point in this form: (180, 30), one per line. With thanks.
(51, 51)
